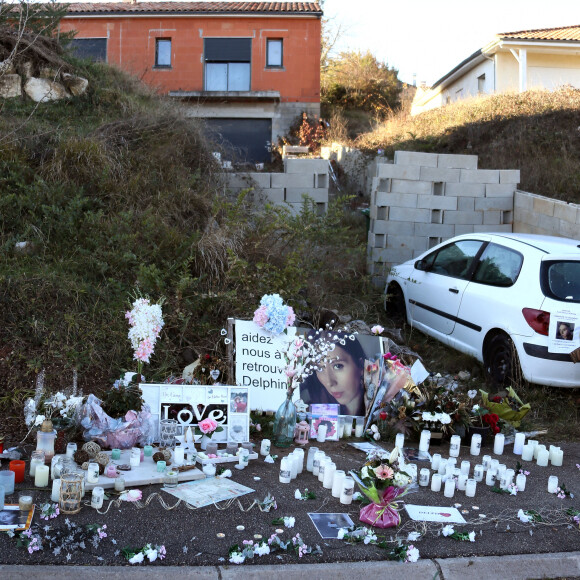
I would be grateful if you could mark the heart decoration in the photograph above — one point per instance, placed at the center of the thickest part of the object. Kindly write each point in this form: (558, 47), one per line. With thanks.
(214, 374)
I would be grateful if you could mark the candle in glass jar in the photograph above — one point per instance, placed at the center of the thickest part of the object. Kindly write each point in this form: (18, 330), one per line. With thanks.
(265, 447)
(161, 465)
(148, 451)
(337, 482)
(435, 461)
(521, 482)
(436, 482)
(310, 458)
(322, 467)
(552, 484)
(475, 448)
(97, 498)
(41, 476)
(527, 452)
(134, 461)
(465, 467)
(116, 454)
(449, 490)
(316, 463)
(462, 481)
(478, 473)
(400, 440)
(36, 459)
(425, 440)
(285, 470)
(329, 471)
(442, 466)
(321, 433)
(490, 477)
(519, 442)
(424, 477)
(470, 488)
(347, 491)
(111, 471)
(498, 443)
(70, 450)
(359, 428)
(537, 450)
(179, 455)
(454, 445)
(93, 473)
(501, 469)
(557, 457)
(494, 464)
(485, 461)
(7, 479)
(55, 494)
(294, 465)
(25, 502)
(299, 454)
(120, 484)
(543, 457)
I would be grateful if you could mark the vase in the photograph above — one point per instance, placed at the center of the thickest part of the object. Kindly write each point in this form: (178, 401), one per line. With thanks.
(484, 431)
(204, 441)
(436, 438)
(285, 423)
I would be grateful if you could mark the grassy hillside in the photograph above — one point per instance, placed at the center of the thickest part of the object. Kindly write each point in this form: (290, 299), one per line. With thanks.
(537, 132)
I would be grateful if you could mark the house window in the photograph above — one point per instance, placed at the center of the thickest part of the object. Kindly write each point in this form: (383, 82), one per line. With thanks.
(227, 64)
(481, 84)
(94, 49)
(163, 52)
(274, 52)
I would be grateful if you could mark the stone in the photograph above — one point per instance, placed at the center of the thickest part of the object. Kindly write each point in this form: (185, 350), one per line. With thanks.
(10, 86)
(43, 90)
(464, 375)
(47, 72)
(76, 86)
(26, 69)
(7, 67)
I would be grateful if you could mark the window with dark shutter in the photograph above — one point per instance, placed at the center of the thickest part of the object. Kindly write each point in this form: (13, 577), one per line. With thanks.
(227, 64)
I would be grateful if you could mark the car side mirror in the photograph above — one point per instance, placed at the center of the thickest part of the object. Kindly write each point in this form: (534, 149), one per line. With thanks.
(421, 265)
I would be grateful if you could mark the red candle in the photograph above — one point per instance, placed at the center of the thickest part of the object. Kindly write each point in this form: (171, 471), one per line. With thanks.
(17, 467)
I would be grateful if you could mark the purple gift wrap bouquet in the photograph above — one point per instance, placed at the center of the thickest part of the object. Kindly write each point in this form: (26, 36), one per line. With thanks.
(382, 480)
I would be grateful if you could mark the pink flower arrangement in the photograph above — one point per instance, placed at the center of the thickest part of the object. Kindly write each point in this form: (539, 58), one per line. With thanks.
(384, 472)
(207, 426)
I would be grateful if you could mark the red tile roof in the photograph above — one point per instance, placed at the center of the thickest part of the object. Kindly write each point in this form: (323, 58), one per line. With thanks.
(277, 8)
(565, 33)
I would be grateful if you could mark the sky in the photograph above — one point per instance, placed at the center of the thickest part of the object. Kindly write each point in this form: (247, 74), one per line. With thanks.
(430, 37)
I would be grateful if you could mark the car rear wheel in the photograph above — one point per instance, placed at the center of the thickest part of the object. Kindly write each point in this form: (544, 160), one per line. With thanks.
(502, 366)
(396, 301)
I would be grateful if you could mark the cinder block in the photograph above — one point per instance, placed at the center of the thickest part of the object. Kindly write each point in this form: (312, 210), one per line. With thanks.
(262, 180)
(492, 218)
(373, 211)
(305, 165)
(244, 180)
(466, 203)
(479, 176)
(383, 185)
(321, 180)
(399, 171)
(295, 194)
(413, 242)
(526, 217)
(569, 230)
(377, 240)
(523, 228)
(487, 203)
(440, 174)
(550, 224)
(499, 190)
(435, 230)
(524, 200)
(506, 228)
(416, 158)
(457, 161)
(403, 214)
(274, 195)
(565, 211)
(293, 180)
(436, 202)
(509, 175)
(544, 205)
(380, 226)
(393, 255)
(465, 189)
(418, 187)
(463, 218)
(399, 228)
(397, 199)
(463, 229)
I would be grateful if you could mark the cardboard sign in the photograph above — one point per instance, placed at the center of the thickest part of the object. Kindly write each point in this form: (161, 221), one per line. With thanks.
(189, 404)
(428, 513)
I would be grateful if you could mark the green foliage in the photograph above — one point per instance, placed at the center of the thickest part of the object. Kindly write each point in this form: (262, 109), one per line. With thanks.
(118, 400)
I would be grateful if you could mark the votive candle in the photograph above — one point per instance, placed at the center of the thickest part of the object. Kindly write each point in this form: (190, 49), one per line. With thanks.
(449, 490)
(552, 484)
(111, 471)
(71, 449)
(329, 470)
(55, 494)
(436, 482)
(148, 451)
(97, 498)
(470, 488)
(347, 491)
(7, 480)
(93, 473)
(537, 450)
(294, 465)
(25, 502)
(478, 473)
(359, 428)
(519, 442)
(435, 460)
(321, 433)
(543, 457)
(425, 439)
(475, 448)
(120, 484)
(498, 443)
(490, 477)
(41, 476)
(454, 445)
(161, 465)
(400, 440)
(116, 454)
(265, 447)
(323, 462)
(521, 482)
(465, 467)
(179, 455)
(462, 482)
(337, 482)
(285, 470)
(442, 466)
(424, 477)
(557, 457)
(299, 453)
(527, 452)
(318, 456)
(486, 461)
(134, 460)
(310, 458)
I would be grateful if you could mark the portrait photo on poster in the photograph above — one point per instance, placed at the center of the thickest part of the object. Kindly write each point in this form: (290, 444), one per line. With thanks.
(341, 380)
(564, 330)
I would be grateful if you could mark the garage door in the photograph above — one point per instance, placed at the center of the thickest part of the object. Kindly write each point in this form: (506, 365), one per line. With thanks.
(242, 139)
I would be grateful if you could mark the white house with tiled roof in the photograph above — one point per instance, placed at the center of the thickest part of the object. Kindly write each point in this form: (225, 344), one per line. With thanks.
(546, 58)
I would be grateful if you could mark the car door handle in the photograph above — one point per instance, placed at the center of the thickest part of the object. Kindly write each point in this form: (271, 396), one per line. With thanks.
(454, 290)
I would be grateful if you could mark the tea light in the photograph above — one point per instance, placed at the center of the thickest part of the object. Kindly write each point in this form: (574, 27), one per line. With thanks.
(265, 447)
(70, 450)
(498, 443)
(519, 442)
(490, 477)
(337, 482)
(478, 473)
(557, 457)
(486, 461)
(316, 463)
(55, 494)
(36, 459)
(93, 473)
(475, 448)
(425, 440)
(41, 476)
(97, 498)
(161, 465)
(510, 474)
(449, 490)
(465, 467)
(470, 488)
(179, 455)
(299, 453)
(134, 460)
(208, 469)
(543, 457)
(148, 451)
(120, 484)
(537, 450)
(435, 461)
(424, 477)
(527, 452)
(111, 471)
(116, 454)
(521, 482)
(552, 484)
(400, 440)
(329, 471)
(462, 482)
(347, 491)
(25, 503)
(454, 445)
(310, 458)
(436, 482)
(212, 447)
(285, 470)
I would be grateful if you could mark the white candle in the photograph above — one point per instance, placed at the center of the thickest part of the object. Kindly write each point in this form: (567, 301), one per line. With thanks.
(435, 461)
(70, 449)
(543, 457)
(470, 488)
(461, 482)
(452, 461)
(552, 484)
(400, 440)
(120, 484)
(179, 455)
(475, 448)
(329, 471)
(449, 488)
(519, 442)
(265, 447)
(442, 466)
(527, 452)
(359, 427)
(510, 474)
(93, 473)
(97, 498)
(244, 458)
(424, 477)
(485, 461)
(134, 460)
(310, 458)
(494, 464)
(347, 491)
(285, 470)
(521, 482)
(34, 463)
(504, 480)
(465, 467)
(478, 473)
(316, 463)
(537, 450)
(295, 462)
(337, 482)
(490, 477)
(322, 467)
(424, 441)
(454, 444)
(55, 495)
(41, 476)
(209, 469)
(299, 453)
(321, 433)
(501, 469)
(436, 482)
(498, 443)
(557, 458)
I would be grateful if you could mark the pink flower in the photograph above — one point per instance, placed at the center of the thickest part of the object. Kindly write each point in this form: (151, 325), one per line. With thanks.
(261, 315)
(144, 351)
(207, 426)
(290, 372)
(384, 472)
(377, 329)
(290, 316)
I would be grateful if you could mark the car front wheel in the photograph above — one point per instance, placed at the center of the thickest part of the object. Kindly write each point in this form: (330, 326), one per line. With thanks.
(502, 366)
(396, 301)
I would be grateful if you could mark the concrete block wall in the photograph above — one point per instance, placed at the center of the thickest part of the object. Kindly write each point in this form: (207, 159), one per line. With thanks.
(423, 199)
(535, 214)
(301, 176)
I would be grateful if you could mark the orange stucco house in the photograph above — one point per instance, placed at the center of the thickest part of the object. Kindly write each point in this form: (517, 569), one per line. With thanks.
(249, 68)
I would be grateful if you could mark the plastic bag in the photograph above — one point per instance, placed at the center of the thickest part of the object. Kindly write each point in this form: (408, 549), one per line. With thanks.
(506, 411)
(134, 428)
(386, 514)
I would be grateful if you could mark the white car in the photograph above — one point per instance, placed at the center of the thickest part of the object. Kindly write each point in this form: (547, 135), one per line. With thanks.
(493, 295)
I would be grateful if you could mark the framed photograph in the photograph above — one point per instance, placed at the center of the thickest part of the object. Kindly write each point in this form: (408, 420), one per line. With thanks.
(11, 518)
(328, 525)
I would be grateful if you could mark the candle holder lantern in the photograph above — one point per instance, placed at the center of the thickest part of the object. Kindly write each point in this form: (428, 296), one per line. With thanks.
(45, 440)
(167, 432)
(301, 433)
(70, 493)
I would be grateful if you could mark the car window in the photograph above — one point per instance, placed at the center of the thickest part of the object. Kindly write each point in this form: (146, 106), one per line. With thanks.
(561, 280)
(498, 266)
(455, 259)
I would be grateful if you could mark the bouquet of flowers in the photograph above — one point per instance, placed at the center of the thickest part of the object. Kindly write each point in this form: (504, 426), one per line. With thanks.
(273, 315)
(444, 410)
(481, 417)
(382, 479)
(398, 415)
(146, 321)
(509, 408)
